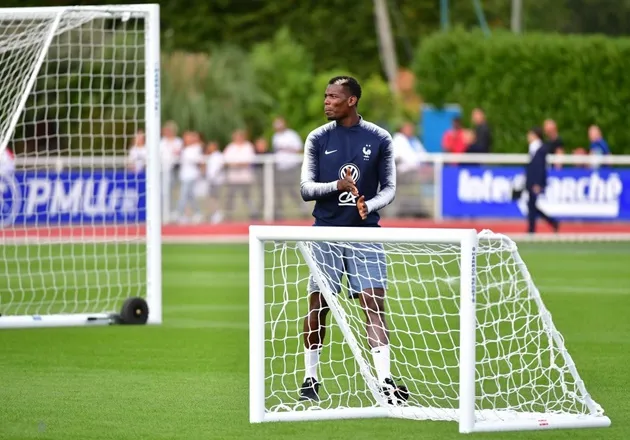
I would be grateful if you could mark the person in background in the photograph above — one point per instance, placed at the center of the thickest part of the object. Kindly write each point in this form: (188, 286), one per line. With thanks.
(190, 162)
(7, 162)
(407, 143)
(483, 136)
(262, 149)
(536, 181)
(470, 140)
(535, 142)
(137, 156)
(598, 145)
(579, 151)
(555, 144)
(408, 152)
(214, 179)
(454, 140)
(239, 156)
(170, 147)
(286, 144)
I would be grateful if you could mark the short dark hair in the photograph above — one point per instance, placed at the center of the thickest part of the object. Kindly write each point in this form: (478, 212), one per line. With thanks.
(349, 83)
(537, 131)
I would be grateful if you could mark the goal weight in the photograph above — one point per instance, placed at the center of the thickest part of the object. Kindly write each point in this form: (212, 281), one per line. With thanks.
(135, 311)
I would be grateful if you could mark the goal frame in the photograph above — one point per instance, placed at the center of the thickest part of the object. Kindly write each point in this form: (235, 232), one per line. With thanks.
(466, 414)
(153, 233)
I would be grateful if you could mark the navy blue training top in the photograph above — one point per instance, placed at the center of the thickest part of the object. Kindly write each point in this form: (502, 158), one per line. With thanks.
(366, 150)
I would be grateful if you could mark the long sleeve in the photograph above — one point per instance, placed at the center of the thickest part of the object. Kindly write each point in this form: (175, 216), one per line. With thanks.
(387, 179)
(310, 189)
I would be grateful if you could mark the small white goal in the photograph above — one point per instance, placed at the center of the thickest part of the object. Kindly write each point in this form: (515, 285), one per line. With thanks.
(470, 336)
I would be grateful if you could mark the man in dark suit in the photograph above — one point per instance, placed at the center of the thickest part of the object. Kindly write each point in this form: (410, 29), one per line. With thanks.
(536, 182)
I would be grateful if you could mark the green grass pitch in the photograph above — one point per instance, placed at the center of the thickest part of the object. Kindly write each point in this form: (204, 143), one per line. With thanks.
(188, 378)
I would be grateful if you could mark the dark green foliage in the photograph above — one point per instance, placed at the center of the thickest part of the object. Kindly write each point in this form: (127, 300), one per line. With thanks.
(212, 93)
(286, 71)
(521, 80)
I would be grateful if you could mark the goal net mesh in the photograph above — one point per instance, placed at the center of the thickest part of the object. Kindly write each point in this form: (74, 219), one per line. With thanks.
(520, 369)
(71, 207)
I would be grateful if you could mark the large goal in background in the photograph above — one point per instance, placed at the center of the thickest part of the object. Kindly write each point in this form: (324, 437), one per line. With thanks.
(79, 236)
(470, 336)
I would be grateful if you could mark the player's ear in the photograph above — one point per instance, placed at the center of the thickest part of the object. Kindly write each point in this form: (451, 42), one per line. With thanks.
(352, 101)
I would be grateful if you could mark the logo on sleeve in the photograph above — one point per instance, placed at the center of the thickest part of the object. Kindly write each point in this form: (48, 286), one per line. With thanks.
(347, 198)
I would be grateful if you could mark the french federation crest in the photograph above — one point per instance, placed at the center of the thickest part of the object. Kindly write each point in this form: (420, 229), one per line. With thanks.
(367, 151)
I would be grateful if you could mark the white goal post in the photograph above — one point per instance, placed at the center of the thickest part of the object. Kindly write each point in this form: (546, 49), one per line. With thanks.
(80, 245)
(470, 336)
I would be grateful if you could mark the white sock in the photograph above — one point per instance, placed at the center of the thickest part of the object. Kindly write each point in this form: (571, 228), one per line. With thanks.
(380, 355)
(311, 362)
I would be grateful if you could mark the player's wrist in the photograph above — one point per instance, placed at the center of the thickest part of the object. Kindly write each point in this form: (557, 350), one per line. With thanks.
(368, 206)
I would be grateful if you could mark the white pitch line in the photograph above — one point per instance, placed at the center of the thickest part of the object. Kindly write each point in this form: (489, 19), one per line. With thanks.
(206, 308)
(205, 323)
(564, 289)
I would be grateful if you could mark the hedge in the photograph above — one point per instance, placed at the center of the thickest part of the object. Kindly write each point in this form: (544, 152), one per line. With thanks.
(521, 80)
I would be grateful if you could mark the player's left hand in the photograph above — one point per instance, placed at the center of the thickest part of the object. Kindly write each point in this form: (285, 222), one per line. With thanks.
(362, 207)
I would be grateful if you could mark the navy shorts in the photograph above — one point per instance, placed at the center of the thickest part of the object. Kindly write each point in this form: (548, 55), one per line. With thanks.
(364, 265)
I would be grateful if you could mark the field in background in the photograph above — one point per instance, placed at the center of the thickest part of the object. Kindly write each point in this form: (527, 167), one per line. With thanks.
(188, 379)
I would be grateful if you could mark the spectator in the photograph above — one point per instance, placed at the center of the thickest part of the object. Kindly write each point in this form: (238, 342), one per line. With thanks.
(534, 138)
(470, 139)
(598, 145)
(454, 140)
(408, 152)
(555, 144)
(286, 145)
(407, 148)
(7, 162)
(170, 147)
(239, 157)
(191, 159)
(137, 159)
(262, 149)
(579, 151)
(536, 181)
(214, 179)
(483, 136)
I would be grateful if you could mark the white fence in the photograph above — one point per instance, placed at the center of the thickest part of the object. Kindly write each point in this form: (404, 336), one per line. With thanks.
(419, 195)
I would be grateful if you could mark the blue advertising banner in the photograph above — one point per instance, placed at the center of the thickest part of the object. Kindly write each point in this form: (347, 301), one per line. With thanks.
(572, 193)
(93, 197)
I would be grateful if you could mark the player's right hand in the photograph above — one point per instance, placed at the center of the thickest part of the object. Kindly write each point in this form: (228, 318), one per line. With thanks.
(347, 184)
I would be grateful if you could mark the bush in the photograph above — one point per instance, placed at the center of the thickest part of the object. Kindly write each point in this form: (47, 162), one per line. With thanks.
(521, 80)
(213, 94)
(284, 71)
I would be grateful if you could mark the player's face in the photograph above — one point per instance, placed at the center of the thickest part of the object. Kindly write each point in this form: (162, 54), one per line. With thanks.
(337, 102)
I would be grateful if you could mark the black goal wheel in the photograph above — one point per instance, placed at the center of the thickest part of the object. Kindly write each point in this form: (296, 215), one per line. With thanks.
(134, 311)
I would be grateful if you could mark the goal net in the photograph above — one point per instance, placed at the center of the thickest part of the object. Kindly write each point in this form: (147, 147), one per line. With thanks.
(79, 111)
(513, 373)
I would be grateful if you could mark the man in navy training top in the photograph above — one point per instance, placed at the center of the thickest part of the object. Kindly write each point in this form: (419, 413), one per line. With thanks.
(349, 171)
